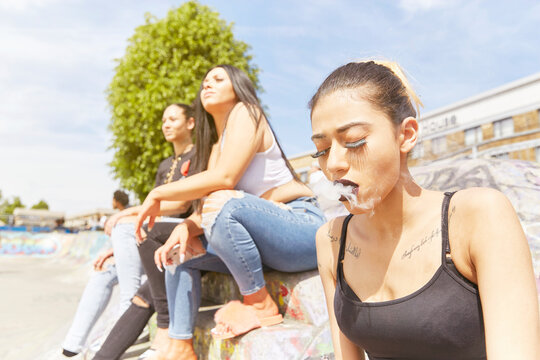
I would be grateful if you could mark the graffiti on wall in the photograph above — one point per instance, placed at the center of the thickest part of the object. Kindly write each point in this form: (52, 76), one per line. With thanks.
(82, 246)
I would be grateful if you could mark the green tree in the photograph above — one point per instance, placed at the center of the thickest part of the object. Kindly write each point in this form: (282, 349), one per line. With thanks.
(7, 206)
(164, 63)
(42, 205)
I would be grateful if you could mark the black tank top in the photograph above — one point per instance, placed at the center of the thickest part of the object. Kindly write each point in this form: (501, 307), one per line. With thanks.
(442, 320)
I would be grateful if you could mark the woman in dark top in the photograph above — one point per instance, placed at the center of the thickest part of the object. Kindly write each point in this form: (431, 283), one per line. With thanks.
(412, 273)
(177, 126)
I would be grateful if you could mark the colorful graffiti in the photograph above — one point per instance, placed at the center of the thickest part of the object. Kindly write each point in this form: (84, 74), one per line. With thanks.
(81, 247)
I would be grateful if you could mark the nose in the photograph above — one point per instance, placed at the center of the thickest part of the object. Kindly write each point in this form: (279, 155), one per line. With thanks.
(336, 162)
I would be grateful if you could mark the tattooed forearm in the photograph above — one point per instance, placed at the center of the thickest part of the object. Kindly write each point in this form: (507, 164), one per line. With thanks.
(353, 250)
(418, 246)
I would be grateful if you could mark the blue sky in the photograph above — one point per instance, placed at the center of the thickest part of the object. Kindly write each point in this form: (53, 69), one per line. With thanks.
(56, 60)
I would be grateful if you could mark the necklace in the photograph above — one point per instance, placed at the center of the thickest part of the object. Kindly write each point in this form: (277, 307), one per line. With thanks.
(170, 174)
(175, 162)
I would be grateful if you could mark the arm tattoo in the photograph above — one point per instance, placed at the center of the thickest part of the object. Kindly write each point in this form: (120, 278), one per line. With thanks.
(332, 237)
(418, 246)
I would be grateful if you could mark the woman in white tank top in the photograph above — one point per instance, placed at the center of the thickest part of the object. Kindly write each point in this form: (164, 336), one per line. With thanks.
(255, 213)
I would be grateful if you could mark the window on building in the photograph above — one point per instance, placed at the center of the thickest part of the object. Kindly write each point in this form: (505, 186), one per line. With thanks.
(473, 135)
(501, 156)
(503, 128)
(438, 145)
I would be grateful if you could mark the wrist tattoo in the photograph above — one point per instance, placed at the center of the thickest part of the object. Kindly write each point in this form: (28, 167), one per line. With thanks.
(418, 246)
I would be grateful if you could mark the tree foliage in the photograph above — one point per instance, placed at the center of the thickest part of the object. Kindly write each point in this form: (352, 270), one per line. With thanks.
(164, 63)
(7, 206)
(41, 205)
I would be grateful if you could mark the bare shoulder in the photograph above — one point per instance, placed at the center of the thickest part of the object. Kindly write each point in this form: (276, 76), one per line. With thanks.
(486, 217)
(479, 201)
(243, 113)
(328, 240)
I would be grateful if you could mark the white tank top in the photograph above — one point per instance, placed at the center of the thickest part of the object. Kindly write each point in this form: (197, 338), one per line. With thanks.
(267, 170)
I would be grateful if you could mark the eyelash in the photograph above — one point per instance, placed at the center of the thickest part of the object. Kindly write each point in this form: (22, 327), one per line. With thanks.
(352, 145)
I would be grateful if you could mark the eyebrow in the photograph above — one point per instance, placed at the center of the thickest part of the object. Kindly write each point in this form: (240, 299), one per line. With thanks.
(343, 128)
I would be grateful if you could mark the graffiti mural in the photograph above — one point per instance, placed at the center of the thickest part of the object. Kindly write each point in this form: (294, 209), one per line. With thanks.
(81, 247)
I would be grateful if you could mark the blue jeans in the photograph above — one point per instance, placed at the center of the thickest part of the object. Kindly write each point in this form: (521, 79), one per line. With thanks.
(126, 272)
(94, 300)
(128, 262)
(247, 234)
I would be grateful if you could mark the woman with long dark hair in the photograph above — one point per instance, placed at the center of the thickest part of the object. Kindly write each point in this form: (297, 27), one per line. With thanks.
(412, 273)
(255, 213)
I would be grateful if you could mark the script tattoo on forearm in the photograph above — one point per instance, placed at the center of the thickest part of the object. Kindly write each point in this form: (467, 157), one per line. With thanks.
(418, 246)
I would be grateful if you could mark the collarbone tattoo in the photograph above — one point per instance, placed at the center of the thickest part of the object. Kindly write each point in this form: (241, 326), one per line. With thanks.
(416, 247)
(353, 250)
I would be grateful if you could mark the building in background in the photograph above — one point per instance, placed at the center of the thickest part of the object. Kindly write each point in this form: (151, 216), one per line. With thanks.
(92, 219)
(36, 218)
(500, 123)
(302, 164)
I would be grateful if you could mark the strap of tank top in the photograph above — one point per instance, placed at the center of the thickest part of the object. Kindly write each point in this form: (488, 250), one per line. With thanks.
(444, 228)
(342, 239)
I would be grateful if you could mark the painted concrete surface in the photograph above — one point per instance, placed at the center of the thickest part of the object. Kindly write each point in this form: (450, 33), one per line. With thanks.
(304, 334)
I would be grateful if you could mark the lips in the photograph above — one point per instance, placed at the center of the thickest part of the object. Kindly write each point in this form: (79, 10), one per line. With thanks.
(346, 182)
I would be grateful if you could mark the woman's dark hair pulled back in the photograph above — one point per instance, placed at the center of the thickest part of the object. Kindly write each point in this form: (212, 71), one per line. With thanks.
(383, 84)
(188, 109)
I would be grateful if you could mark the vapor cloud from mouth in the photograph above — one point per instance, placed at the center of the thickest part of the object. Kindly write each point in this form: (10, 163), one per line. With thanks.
(345, 190)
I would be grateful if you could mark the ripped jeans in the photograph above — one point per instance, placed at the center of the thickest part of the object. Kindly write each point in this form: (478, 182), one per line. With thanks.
(246, 234)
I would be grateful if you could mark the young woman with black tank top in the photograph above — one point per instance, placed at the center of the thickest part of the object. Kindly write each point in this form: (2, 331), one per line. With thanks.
(413, 273)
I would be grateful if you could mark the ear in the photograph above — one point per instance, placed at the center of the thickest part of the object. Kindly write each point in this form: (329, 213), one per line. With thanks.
(408, 135)
(191, 123)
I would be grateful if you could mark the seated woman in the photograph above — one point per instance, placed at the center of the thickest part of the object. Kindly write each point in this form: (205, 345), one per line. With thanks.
(177, 126)
(404, 279)
(256, 213)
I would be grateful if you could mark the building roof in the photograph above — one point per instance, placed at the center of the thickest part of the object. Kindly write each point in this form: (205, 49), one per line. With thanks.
(484, 95)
